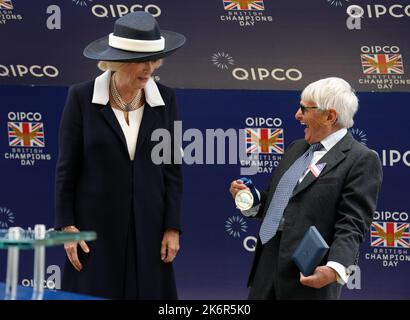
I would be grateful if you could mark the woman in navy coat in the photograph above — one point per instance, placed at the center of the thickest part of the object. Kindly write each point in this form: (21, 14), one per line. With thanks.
(106, 180)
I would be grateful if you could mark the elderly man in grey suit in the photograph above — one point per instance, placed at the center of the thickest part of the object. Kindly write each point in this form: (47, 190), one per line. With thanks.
(328, 180)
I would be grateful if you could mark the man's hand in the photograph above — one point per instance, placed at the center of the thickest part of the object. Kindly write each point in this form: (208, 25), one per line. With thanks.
(169, 245)
(237, 185)
(322, 276)
(71, 249)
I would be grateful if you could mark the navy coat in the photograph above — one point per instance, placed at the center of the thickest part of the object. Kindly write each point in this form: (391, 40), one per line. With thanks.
(96, 185)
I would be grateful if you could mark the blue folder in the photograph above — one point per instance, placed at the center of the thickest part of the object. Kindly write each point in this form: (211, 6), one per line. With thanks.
(310, 251)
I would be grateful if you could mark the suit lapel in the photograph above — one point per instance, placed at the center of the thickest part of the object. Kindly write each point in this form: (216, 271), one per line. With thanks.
(149, 118)
(111, 119)
(331, 158)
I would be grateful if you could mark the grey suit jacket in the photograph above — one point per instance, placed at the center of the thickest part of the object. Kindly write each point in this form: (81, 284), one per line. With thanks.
(340, 202)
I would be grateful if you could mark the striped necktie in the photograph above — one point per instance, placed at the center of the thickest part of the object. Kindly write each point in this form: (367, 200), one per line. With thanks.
(283, 193)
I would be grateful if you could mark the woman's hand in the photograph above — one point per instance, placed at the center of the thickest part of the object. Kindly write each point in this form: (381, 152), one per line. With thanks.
(169, 245)
(71, 249)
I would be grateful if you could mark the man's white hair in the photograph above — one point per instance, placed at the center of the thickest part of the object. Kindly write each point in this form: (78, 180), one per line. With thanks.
(333, 93)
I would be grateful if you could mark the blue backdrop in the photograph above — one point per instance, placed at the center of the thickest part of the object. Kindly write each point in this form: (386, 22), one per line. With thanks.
(217, 243)
(282, 46)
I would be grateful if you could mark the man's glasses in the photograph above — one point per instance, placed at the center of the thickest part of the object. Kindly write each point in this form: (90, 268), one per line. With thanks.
(303, 108)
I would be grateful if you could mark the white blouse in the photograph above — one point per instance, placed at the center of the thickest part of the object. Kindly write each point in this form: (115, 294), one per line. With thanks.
(130, 131)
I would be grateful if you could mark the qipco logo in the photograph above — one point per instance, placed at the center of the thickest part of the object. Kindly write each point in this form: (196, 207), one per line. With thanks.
(119, 10)
(391, 215)
(380, 49)
(21, 71)
(377, 11)
(24, 116)
(52, 282)
(261, 74)
(392, 158)
(249, 243)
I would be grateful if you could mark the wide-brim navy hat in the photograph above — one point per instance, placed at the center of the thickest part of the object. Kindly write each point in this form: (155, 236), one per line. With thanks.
(136, 38)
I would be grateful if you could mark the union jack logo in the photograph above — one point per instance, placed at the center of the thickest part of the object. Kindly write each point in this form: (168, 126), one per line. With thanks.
(264, 140)
(390, 234)
(6, 4)
(244, 5)
(26, 134)
(382, 64)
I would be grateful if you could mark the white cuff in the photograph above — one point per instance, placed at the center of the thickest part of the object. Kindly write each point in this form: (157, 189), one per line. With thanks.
(342, 272)
(254, 210)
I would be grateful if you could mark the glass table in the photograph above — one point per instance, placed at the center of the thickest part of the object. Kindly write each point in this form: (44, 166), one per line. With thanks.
(15, 238)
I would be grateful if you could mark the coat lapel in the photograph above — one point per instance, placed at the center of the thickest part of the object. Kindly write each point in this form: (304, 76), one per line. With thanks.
(113, 122)
(149, 118)
(331, 158)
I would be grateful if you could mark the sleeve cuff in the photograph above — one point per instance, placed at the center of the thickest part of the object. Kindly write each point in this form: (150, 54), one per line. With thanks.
(252, 212)
(342, 272)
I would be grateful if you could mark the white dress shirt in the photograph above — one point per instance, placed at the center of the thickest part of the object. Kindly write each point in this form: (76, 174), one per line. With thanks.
(130, 130)
(328, 143)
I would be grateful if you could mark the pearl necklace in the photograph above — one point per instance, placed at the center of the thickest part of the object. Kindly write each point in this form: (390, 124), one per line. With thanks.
(133, 105)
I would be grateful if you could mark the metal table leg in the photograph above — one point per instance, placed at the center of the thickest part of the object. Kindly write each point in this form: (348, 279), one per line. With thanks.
(39, 263)
(12, 266)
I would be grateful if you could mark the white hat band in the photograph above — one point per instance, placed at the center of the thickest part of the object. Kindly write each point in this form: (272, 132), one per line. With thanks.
(136, 45)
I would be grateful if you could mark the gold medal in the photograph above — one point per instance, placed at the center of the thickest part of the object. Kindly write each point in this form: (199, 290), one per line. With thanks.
(244, 200)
